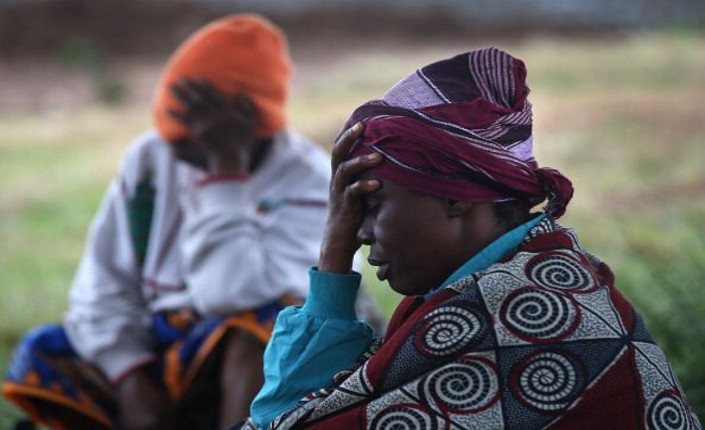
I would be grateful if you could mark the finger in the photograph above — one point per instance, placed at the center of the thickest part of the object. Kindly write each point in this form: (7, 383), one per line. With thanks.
(357, 189)
(342, 146)
(210, 94)
(244, 105)
(182, 95)
(242, 112)
(189, 94)
(194, 126)
(349, 170)
(180, 117)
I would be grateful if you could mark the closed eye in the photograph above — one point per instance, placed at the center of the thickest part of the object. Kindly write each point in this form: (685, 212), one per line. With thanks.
(371, 206)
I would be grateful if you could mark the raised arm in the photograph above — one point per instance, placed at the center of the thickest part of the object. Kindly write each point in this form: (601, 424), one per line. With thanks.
(310, 344)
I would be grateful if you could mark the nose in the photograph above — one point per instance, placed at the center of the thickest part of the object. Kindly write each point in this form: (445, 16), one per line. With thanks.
(365, 232)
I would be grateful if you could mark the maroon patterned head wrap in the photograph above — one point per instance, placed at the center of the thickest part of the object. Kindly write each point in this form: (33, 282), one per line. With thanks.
(461, 129)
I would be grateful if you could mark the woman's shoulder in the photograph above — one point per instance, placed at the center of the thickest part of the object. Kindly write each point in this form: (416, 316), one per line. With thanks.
(550, 259)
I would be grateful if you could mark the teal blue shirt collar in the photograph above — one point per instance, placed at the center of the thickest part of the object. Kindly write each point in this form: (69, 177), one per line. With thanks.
(491, 253)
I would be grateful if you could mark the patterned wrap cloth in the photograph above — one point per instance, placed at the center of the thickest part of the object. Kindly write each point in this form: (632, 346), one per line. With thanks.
(540, 339)
(461, 129)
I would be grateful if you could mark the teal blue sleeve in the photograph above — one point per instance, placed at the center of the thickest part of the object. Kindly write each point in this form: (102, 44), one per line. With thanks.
(310, 344)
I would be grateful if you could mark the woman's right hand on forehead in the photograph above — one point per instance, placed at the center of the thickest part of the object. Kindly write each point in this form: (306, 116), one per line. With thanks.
(222, 127)
(346, 209)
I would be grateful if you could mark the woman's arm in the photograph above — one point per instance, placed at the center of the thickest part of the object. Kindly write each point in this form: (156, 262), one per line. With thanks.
(310, 344)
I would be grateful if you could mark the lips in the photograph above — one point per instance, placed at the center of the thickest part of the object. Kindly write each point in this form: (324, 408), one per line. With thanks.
(382, 267)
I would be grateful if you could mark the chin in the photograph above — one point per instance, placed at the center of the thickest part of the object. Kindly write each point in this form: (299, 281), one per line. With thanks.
(408, 288)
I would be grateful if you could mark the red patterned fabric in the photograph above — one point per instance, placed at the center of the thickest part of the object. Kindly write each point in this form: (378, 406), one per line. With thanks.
(461, 129)
(541, 339)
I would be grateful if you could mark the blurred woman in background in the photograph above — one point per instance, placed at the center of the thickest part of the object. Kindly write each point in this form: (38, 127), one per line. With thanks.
(205, 234)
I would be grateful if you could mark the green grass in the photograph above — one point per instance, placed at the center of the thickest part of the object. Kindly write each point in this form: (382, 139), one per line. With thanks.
(620, 116)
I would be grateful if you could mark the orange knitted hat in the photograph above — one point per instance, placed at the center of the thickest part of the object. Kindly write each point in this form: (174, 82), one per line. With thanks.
(237, 53)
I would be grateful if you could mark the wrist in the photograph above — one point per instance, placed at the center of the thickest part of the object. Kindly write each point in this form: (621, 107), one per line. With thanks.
(234, 165)
(336, 259)
(332, 295)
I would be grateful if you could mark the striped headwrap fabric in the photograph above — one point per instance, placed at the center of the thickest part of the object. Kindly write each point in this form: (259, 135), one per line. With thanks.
(461, 129)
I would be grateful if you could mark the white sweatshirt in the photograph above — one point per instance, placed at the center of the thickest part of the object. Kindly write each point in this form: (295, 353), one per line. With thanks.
(217, 245)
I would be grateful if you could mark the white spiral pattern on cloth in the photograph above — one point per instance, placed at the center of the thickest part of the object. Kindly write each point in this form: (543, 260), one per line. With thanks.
(560, 272)
(535, 314)
(668, 412)
(402, 418)
(547, 381)
(447, 330)
(467, 387)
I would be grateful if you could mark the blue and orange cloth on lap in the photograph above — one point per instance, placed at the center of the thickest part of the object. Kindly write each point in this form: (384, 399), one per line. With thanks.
(188, 347)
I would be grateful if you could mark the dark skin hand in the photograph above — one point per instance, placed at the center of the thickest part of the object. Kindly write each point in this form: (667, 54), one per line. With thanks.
(144, 403)
(346, 210)
(222, 128)
(400, 225)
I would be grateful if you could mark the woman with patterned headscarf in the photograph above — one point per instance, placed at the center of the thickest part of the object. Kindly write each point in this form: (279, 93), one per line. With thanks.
(507, 321)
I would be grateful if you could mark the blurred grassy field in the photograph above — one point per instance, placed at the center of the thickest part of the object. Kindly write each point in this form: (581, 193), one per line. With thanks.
(620, 116)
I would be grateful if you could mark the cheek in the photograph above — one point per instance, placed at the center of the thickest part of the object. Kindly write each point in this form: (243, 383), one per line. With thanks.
(398, 236)
(424, 251)
(392, 232)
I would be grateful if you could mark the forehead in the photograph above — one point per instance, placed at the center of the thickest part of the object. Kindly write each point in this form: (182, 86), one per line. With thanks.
(388, 187)
(393, 191)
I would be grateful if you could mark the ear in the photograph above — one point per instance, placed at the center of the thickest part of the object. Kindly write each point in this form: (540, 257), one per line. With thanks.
(457, 208)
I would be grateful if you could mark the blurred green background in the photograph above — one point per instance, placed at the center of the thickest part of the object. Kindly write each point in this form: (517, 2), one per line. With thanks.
(619, 112)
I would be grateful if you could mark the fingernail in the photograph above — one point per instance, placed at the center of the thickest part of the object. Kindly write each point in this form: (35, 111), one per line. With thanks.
(371, 183)
(357, 127)
(374, 156)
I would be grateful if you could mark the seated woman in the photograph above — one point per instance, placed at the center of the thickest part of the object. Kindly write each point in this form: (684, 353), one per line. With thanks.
(507, 321)
(204, 235)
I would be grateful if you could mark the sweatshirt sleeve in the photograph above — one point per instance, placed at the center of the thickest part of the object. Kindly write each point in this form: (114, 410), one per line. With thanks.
(108, 322)
(236, 258)
(310, 344)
